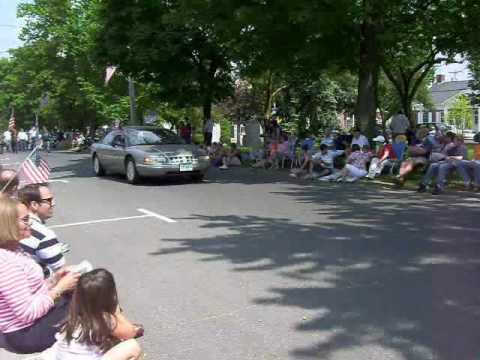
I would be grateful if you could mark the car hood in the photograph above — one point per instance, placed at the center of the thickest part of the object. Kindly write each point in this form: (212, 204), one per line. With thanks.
(168, 150)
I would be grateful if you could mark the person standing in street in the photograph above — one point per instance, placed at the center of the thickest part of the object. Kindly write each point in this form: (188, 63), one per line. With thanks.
(207, 132)
(33, 136)
(7, 139)
(399, 124)
(22, 140)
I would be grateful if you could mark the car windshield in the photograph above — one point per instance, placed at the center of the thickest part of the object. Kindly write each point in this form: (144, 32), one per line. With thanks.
(152, 137)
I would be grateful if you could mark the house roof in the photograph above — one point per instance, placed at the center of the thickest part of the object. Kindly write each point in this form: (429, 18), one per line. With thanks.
(443, 91)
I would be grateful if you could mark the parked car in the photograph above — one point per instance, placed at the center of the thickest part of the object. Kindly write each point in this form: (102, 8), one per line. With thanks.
(144, 151)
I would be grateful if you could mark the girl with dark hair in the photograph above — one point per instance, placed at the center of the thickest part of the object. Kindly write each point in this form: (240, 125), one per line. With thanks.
(95, 327)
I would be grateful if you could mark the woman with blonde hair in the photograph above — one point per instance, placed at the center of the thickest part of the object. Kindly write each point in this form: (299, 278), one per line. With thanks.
(31, 308)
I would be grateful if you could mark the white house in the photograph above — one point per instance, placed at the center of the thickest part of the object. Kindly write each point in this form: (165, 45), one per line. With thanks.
(443, 94)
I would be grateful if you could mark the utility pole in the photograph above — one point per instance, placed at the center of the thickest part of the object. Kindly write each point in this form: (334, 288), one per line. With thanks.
(133, 102)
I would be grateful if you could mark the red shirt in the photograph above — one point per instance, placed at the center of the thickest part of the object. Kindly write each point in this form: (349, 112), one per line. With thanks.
(388, 149)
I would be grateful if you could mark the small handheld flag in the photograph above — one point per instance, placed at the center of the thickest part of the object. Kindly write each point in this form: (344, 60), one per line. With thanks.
(35, 169)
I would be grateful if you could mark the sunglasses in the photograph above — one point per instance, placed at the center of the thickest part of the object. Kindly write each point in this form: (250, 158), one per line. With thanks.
(49, 200)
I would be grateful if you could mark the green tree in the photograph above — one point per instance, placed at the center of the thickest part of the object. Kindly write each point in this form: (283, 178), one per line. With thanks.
(460, 113)
(170, 44)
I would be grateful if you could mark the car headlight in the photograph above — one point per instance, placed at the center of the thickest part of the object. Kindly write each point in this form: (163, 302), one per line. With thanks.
(152, 160)
(203, 158)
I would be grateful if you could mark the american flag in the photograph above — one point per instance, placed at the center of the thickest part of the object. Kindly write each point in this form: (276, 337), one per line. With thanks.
(11, 122)
(34, 169)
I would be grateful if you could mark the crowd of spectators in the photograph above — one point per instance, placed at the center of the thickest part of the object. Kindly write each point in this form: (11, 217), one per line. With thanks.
(349, 156)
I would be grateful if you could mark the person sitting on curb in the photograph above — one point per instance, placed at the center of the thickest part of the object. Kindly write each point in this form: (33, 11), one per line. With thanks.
(43, 244)
(323, 161)
(419, 152)
(232, 157)
(31, 306)
(455, 152)
(356, 165)
(464, 168)
(305, 165)
(382, 159)
(96, 328)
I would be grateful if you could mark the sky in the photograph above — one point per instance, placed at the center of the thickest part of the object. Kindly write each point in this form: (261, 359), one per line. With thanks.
(10, 28)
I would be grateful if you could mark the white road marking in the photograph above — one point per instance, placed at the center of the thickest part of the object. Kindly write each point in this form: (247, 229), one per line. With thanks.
(100, 221)
(10, 164)
(58, 180)
(147, 214)
(158, 216)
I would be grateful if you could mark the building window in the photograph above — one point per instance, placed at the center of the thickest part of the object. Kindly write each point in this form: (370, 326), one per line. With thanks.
(442, 116)
(475, 115)
(425, 116)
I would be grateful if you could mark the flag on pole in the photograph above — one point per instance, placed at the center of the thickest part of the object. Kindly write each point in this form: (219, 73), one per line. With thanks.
(11, 121)
(109, 73)
(34, 170)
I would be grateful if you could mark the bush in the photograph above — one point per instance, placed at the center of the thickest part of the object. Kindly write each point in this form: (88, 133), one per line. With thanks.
(225, 131)
(197, 138)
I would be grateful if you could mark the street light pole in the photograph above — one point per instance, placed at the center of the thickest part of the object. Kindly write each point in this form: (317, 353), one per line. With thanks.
(133, 103)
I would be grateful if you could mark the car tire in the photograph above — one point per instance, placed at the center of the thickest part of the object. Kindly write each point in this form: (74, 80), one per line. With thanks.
(97, 166)
(131, 172)
(198, 177)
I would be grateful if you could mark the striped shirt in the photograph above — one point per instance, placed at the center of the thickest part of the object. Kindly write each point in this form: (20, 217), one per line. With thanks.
(23, 291)
(43, 246)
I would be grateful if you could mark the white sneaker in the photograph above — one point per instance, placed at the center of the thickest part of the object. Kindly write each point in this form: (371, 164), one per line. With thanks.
(350, 179)
(324, 178)
(223, 167)
(340, 179)
(293, 175)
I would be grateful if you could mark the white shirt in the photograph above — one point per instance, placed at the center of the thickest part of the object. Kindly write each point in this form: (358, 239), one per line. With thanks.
(360, 141)
(22, 135)
(75, 350)
(7, 135)
(328, 157)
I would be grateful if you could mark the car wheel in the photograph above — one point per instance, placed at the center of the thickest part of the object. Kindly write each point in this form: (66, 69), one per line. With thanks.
(97, 167)
(131, 171)
(198, 177)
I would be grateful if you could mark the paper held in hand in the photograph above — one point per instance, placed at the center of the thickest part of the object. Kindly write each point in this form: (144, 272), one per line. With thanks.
(83, 267)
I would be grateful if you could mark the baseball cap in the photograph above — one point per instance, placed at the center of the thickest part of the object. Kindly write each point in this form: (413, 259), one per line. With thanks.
(379, 139)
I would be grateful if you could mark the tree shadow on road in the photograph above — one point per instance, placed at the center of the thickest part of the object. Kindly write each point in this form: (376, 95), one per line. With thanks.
(389, 270)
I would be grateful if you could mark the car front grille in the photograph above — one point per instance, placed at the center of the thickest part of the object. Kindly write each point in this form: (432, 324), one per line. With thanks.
(181, 159)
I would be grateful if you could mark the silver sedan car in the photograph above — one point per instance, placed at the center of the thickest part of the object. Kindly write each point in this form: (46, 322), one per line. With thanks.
(147, 152)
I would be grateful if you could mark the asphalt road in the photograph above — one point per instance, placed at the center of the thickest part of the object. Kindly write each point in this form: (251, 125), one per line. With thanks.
(259, 266)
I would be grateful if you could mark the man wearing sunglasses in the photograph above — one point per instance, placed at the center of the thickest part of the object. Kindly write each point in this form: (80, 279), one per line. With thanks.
(43, 245)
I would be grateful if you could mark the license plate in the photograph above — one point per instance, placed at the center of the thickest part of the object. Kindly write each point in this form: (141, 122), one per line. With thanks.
(186, 167)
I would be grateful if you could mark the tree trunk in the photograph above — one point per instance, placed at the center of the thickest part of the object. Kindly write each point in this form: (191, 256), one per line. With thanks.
(267, 110)
(239, 135)
(366, 107)
(207, 108)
